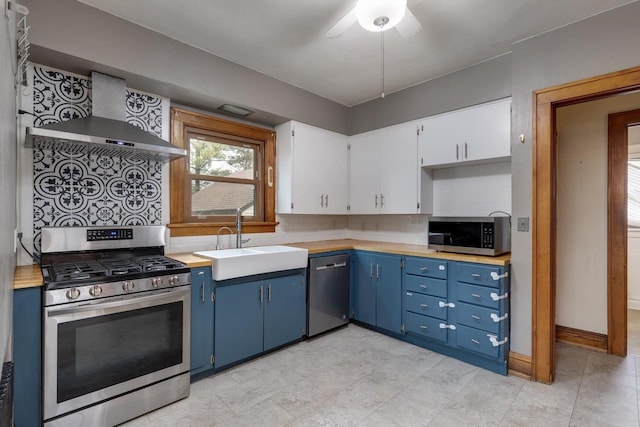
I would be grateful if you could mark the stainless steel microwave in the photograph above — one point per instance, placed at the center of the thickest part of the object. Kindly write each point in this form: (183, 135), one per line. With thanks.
(489, 235)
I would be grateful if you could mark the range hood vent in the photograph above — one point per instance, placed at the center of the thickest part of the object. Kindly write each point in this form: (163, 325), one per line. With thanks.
(104, 132)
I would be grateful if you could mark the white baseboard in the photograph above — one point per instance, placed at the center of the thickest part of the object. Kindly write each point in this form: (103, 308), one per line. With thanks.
(633, 304)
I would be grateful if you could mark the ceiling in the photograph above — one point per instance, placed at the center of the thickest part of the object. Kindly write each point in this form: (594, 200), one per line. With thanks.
(285, 38)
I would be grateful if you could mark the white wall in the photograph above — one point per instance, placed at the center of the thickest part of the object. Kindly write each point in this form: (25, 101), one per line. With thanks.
(581, 280)
(7, 178)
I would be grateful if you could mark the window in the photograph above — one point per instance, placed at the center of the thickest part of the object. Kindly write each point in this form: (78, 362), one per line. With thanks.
(229, 166)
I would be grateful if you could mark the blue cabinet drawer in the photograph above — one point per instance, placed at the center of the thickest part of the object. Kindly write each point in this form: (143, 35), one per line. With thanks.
(478, 341)
(426, 267)
(425, 326)
(480, 295)
(479, 317)
(426, 285)
(425, 304)
(477, 274)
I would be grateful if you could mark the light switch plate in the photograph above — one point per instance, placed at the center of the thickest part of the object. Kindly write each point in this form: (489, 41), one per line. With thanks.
(523, 223)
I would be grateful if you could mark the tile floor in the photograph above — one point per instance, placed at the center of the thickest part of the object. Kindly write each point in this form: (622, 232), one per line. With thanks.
(356, 377)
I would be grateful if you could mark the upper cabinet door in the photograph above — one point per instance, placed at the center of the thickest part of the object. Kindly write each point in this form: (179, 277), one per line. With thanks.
(487, 131)
(312, 170)
(364, 182)
(398, 171)
(439, 140)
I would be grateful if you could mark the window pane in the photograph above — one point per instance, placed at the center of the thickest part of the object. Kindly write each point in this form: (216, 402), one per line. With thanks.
(222, 198)
(218, 159)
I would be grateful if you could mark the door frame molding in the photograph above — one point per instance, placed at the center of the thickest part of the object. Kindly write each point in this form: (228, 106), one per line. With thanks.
(545, 102)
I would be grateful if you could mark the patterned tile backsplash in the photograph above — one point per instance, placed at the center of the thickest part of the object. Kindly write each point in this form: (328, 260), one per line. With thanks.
(84, 189)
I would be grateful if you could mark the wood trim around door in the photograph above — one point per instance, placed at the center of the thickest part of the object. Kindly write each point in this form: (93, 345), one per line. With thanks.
(545, 102)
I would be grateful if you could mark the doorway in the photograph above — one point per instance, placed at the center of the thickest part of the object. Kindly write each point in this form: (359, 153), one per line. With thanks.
(544, 221)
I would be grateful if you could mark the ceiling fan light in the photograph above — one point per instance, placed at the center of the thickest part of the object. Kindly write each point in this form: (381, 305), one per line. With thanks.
(370, 12)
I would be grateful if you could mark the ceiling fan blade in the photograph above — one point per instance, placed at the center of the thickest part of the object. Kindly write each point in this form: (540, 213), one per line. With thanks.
(342, 25)
(409, 25)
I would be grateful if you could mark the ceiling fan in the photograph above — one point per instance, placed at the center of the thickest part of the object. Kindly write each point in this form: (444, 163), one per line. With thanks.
(378, 16)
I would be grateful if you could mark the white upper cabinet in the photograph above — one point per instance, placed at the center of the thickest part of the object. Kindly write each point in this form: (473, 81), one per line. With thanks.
(383, 175)
(311, 170)
(474, 134)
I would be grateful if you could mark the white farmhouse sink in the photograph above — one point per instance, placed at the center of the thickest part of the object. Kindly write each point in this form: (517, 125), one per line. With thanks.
(232, 263)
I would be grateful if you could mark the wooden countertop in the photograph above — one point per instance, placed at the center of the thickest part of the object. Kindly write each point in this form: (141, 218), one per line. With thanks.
(191, 260)
(27, 276)
(397, 248)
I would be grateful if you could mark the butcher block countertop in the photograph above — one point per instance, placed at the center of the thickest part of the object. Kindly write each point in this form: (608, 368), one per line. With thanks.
(397, 248)
(191, 260)
(27, 276)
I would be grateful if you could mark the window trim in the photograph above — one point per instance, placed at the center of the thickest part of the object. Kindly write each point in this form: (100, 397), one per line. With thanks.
(183, 119)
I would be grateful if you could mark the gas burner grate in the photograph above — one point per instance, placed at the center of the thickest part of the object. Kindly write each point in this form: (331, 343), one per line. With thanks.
(120, 266)
(74, 271)
(156, 263)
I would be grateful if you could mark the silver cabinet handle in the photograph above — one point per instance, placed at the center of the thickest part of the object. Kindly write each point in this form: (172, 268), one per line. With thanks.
(424, 269)
(261, 294)
(202, 292)
(475, 275)
(423, 327)
(200, 273)
(376, 201)
(475, 296)
(269, 293)
(475, 341)
(457, 152)
(326, 201)
(466, 151)
(381, 200)
(371, 270)
(322, 200)
(424, 287)
(424, 306)
(377, 271)
(473, 316)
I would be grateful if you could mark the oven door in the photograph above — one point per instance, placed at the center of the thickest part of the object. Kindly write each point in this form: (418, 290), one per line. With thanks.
(96, 350)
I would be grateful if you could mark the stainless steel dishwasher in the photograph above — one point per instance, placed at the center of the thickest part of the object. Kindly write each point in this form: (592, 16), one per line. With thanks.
(328, 292)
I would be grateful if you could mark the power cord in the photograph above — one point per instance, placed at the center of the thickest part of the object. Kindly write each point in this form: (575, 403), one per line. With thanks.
(33, 257)
(506, 213)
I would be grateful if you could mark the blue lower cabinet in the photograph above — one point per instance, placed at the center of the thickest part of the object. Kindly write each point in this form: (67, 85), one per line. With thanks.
(458, 308)
(378, 291)
(27, 350)
(284, 310)
(259, 315)
(364, 288)
(202, 320)
(239, 322)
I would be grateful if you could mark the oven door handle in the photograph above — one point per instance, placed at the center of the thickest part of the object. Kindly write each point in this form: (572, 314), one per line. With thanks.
(98, 305)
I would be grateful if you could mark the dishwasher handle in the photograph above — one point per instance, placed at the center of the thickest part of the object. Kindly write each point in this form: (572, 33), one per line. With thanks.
(334, 265)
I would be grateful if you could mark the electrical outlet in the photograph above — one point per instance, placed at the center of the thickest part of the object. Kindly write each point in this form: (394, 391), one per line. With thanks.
(523, 223)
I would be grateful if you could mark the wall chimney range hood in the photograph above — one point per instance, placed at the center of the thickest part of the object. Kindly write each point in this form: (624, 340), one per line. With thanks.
(105, 131)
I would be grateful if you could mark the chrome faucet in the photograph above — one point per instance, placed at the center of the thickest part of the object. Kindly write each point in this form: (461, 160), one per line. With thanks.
(239, 240)
(218, 247)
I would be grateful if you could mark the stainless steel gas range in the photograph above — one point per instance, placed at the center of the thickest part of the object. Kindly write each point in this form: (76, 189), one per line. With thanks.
(116, 324)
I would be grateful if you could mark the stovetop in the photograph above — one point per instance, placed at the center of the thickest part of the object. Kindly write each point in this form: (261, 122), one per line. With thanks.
(82, 272)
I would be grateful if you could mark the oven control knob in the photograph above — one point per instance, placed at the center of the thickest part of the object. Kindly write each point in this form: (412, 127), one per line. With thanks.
(174, 280)
(95, 291)
(156, 282)
(128, 286)
(73, 293)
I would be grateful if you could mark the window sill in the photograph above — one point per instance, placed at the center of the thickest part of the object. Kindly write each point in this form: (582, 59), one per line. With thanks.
(208, 229)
